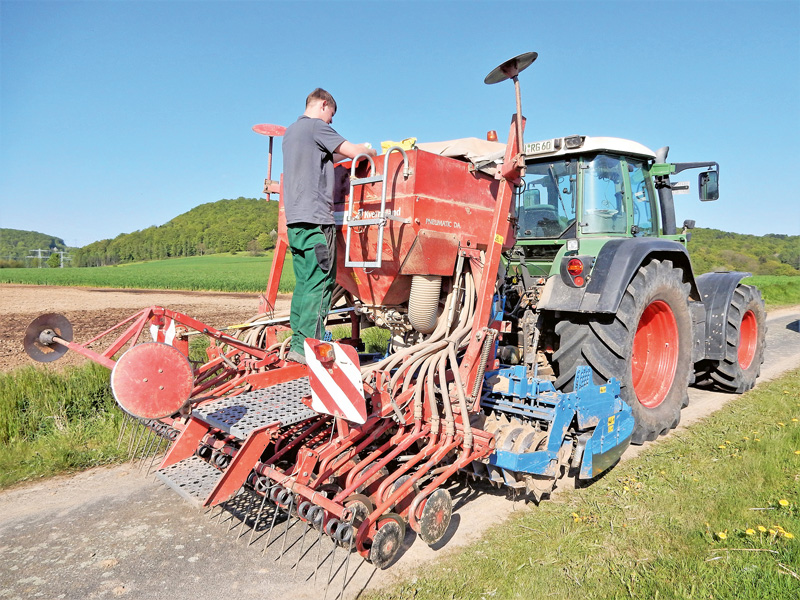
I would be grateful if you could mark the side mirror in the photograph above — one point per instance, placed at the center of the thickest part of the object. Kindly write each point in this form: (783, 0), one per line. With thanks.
(708, 185)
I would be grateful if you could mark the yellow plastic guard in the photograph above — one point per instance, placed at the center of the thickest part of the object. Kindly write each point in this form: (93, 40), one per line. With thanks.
(406, 144)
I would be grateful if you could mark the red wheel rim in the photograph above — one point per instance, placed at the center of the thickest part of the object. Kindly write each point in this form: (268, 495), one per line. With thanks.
(748, 339)
(655, 354)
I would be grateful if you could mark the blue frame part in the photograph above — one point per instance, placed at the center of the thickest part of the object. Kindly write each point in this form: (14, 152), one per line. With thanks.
(596, 414)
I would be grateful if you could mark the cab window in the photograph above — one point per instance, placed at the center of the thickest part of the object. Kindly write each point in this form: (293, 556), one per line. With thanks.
(604, 196)
(546, 202)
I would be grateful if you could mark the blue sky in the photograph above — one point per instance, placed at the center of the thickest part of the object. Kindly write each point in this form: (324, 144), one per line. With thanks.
(115, 116)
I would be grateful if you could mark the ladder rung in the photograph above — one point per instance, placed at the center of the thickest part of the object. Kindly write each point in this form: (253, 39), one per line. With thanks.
(359, 222)
(365, 180)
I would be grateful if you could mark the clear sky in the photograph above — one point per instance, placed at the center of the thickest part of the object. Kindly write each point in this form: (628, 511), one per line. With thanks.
(115, 116)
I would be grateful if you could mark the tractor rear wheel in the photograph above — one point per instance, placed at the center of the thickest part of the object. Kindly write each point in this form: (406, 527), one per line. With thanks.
(646, 345)
(745, 335)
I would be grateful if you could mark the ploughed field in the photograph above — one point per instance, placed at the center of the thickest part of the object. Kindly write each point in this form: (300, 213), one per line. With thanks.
(93, 310)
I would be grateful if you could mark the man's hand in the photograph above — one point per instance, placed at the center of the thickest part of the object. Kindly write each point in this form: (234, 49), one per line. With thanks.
(348, 150)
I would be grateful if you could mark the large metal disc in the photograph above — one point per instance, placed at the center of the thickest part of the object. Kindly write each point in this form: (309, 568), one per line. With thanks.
(152, 380)
(270, 130)
(435, 518)
(38, 341)
(511, 68)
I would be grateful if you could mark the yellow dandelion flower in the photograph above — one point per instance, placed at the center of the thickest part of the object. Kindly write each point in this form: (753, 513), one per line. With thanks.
(722, 535)
(664, 472)
(727, 441)
(746, 439)
(783, 502)
(762, 529)
(722, 447)
(781, 424)
(788, 535)
(750, 531)
(772, 532)
(756, 439)
(797, 451)
(795, 420)
(625, 487)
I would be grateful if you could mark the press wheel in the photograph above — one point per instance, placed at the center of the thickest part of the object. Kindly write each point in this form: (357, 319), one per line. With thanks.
(435, 517)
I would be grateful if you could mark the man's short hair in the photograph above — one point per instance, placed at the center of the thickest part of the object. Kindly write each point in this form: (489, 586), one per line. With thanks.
(320, 94)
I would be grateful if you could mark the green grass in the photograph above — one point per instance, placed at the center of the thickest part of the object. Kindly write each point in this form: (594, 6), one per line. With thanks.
(55, 422)
(777, 290)
(220, 272)
(672, 523)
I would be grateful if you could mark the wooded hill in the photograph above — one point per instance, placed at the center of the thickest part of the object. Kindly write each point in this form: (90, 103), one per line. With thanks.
(214, 227)
(771, 254)
(250, 224)
(16, 245)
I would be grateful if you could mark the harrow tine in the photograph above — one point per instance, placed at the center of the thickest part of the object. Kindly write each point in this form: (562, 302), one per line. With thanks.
(135, 430)
(349, 552)
(123, 427)
(271, 527)
(302, 545)
(286, 531)
(319, 549)
(151, 436)
(258, 516)
(156, 453)
(142, 433)
(221, 510)
(250, 504)
(330, 571)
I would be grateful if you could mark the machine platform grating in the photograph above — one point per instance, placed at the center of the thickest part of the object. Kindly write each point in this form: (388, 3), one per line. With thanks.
(193, 478)
(242, 414)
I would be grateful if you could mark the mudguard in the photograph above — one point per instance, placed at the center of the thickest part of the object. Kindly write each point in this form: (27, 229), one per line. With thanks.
(716, 291)
(616, 264)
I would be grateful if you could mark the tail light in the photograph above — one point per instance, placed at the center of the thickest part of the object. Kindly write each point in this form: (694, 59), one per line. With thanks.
(575, 270)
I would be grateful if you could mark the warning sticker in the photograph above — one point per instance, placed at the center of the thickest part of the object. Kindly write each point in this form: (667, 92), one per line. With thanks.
(611, 424)
(499, 239)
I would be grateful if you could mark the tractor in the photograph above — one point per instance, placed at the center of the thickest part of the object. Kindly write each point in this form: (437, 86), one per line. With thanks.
(541, 311)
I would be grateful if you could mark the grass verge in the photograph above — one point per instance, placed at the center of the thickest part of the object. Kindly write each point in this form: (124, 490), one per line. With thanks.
(713, 512)
(56, 422)
(777, 290)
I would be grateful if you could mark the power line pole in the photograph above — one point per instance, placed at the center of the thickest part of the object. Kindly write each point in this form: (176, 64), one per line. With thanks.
(39, 255)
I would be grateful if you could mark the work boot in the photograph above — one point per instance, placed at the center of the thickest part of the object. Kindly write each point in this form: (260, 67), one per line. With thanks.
(295, 357)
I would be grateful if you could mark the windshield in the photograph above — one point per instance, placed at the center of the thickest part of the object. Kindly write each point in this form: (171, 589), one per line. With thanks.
(546, 203)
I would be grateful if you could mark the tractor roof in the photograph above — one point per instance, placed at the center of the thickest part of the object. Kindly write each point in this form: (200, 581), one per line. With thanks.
(581, 144)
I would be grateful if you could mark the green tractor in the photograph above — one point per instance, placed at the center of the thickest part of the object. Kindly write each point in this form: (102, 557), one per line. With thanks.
(600, 276)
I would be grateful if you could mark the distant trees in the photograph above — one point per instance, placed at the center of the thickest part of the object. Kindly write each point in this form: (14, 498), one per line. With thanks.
(772, 254)
(215, 227)
(16, 245)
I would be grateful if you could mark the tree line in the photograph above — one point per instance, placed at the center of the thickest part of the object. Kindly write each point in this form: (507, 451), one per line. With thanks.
(224, 226)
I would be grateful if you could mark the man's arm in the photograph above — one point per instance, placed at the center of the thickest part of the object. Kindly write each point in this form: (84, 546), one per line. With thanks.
(348, 150)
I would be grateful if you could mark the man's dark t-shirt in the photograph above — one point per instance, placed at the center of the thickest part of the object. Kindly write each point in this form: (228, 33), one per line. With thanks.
(308, 178)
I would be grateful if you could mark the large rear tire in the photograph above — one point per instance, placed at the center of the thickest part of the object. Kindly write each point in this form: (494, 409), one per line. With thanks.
(646, 345)
(745, 340)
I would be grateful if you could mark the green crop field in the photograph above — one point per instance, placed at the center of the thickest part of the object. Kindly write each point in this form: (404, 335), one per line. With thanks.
(219, 272)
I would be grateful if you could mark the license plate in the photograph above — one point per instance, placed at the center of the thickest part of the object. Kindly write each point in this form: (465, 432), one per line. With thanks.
(543, 147)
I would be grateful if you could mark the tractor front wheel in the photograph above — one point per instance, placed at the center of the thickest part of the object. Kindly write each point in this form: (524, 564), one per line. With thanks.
(646, 345)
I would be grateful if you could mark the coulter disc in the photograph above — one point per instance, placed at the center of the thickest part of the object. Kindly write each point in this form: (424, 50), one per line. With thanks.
(38, 341)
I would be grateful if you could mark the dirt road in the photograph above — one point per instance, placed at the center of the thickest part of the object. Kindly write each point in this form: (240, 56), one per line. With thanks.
(114, 532)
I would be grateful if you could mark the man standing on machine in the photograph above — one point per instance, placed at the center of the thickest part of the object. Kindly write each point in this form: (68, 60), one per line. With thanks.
(310, 149)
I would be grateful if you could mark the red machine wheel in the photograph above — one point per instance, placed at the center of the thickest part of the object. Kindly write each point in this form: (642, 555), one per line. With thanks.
(745, 340)
(655, 354)
(748, 339)
(152, 380)
(387, 541)
(647, 345)
(435, 516)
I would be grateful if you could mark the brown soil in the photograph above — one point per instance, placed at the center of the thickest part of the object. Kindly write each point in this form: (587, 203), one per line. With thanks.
(93, 310)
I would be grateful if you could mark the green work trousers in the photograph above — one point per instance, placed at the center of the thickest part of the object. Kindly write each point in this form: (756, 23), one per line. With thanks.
(313, 250)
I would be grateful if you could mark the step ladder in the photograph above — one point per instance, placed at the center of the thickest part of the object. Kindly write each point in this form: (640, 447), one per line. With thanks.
(252, 417)
(379, 220)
